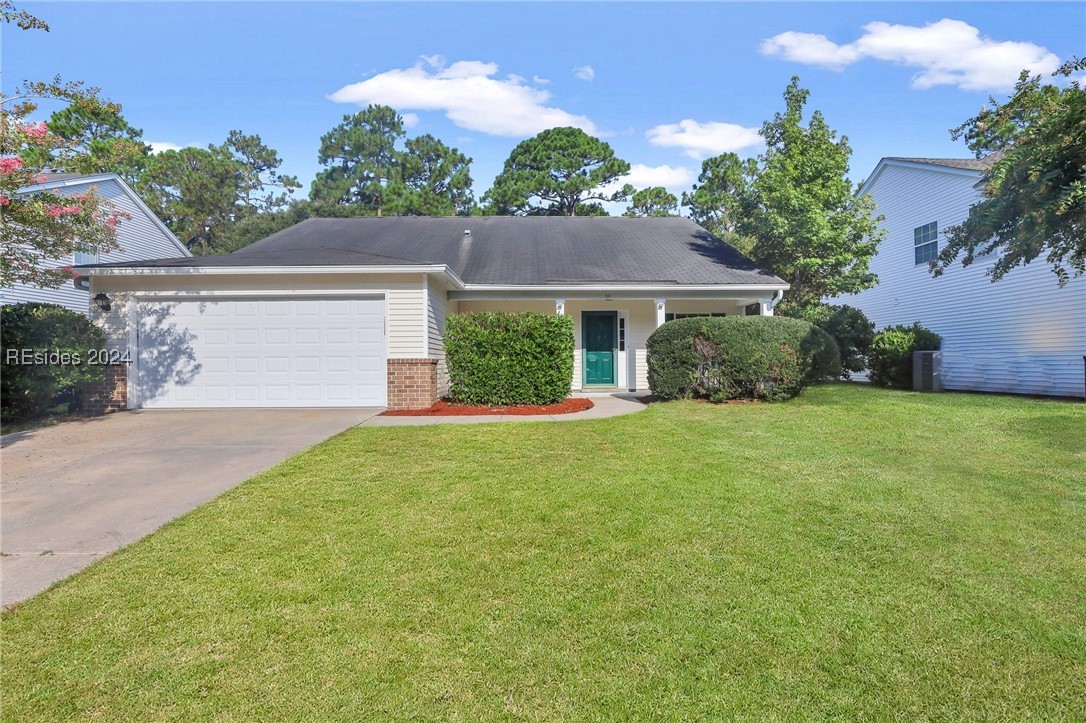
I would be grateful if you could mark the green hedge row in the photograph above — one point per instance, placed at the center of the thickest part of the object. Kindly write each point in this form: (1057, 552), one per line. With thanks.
(890, 360)
(29, 389)
(737, 357)
(500, 358)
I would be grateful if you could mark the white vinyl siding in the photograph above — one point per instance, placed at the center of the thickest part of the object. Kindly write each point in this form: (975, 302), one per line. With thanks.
(406, 323)
(437, 308)
(140, 238)
(1023, 334)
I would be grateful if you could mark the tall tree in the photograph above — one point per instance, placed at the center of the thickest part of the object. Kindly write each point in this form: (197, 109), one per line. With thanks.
(433, 179)
(555, 172)
(260, 186)
(40, 230)
(21, 18)
(799, 208)
(194, 192)
(653, 201)
(99, 140)
(715, 199)
(1035, 191)
(360, 158)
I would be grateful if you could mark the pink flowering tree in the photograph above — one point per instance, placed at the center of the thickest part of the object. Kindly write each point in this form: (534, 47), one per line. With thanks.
(41, 230)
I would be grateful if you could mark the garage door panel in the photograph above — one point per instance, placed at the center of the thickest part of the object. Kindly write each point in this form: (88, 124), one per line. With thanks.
(262, 352)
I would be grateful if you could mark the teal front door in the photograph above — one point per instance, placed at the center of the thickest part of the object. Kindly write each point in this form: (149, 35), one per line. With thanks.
(599, 338)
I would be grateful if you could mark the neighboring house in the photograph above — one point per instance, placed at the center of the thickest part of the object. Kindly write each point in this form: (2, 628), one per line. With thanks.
(142, 237)
(1023, 334)
(350, 312)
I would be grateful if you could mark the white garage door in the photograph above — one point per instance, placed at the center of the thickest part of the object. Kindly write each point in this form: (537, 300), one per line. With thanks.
(305, 352)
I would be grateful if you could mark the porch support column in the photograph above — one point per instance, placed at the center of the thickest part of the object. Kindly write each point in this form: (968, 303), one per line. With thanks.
(560, 307)
(661, 310)
(766, 307)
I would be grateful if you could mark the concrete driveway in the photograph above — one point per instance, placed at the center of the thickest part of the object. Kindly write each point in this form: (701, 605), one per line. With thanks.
(80, 490)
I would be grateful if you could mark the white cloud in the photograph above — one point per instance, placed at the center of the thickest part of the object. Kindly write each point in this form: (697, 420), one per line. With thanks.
(584, 72)
(410, 120)
(947, 52)
(674, 178)
(700, 140)
(470, 96)
(642, 176)
(810, 49)
(160, 146)
(540, 81)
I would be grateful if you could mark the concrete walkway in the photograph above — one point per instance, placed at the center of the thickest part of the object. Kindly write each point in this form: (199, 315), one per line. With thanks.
(82, 489)
(606, 405)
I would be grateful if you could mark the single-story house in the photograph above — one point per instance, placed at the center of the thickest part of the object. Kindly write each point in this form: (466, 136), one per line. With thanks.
(1023, 334)
(141, 237)
(350, 312)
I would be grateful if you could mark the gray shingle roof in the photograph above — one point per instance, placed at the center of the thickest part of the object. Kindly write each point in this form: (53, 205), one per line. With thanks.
(53, 177)
(969, 164)
(506, 250)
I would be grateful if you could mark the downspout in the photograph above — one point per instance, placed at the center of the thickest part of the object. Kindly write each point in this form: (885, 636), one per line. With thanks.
(777, 296)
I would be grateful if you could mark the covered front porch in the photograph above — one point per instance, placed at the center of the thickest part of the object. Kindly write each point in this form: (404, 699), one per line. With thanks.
(611, 328)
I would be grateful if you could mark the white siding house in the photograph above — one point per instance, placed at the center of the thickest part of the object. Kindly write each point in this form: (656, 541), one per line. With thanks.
(1023, 334)
(141, 238)
(351, 312)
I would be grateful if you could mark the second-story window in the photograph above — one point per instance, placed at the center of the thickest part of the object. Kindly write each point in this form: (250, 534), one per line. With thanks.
(926, 242)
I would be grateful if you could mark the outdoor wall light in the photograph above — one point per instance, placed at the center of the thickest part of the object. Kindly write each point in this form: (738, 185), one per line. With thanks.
(102, 301)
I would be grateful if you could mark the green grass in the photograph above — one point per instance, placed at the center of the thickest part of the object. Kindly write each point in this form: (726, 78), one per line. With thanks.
(854, 553)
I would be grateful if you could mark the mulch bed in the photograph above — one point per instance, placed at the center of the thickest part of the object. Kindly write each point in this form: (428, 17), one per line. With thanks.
(448, 409)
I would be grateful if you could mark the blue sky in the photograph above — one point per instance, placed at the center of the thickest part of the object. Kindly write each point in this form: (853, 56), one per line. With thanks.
(665, 84)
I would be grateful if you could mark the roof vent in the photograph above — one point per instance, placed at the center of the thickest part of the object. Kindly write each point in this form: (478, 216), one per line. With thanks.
(467, 232)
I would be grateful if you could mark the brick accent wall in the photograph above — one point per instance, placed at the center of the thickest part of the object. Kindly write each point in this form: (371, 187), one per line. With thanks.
(108, 395)
(412, 383)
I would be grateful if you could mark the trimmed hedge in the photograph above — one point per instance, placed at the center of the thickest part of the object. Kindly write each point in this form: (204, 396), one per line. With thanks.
(890, 361)
(739, 357)
(29, 390)
(848, 326)
(501, 358)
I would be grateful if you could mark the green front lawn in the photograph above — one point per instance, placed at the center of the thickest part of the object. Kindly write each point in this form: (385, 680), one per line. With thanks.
(854, 553)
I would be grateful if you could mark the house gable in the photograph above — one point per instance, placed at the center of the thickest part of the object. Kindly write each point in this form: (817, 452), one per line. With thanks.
(1023, 334)
(141, 237)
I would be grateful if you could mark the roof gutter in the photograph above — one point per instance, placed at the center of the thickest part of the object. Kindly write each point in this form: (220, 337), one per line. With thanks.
(441, 269)
(619, 286)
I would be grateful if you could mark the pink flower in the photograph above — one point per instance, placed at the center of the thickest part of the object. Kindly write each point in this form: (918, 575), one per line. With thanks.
(42, 179)
(4, 201)
(56, 211)
(10, 164)
(35, 130)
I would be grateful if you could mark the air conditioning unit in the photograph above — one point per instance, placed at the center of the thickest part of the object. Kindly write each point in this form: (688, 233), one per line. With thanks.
(927, 371)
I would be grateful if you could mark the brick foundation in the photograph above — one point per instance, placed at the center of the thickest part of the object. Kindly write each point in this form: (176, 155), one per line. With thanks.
(108, 395)
(412, 383)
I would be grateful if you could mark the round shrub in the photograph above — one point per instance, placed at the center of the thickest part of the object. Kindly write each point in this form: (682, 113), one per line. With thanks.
(848, 326)
(499, 358)
(28, 388)
(739, 357)
(890, 360)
